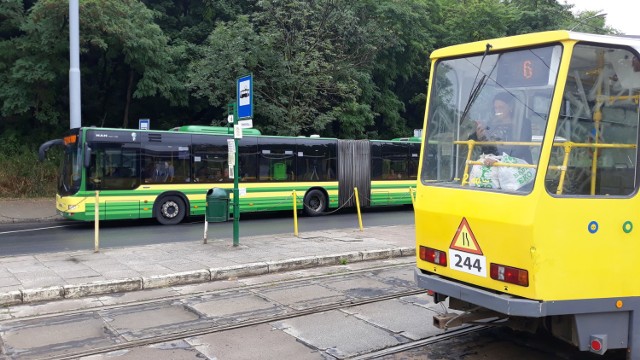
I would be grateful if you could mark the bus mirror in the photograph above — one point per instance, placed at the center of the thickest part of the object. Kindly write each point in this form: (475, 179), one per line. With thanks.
(87, 156)
(42, 152)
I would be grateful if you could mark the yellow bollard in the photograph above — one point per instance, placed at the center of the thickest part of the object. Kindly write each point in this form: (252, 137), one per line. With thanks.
(295, 214)
(97, 224)
(358, 208)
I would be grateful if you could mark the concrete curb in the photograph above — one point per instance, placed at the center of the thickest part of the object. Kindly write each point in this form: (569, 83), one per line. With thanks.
(196, 276)
(236, 271)
(101, 288)
(181, 278)
(54, 219)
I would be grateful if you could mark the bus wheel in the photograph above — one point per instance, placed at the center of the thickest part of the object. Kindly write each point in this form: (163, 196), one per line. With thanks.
(170, 210)
(315, 203)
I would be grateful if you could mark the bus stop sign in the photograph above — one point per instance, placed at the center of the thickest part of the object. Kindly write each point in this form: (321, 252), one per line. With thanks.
(244, 97)
(144, 124)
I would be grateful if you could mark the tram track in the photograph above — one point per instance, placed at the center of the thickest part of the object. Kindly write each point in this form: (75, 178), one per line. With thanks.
(461, 331)
(122, 339)
(253, 322)
(252, 287)
(119, 340)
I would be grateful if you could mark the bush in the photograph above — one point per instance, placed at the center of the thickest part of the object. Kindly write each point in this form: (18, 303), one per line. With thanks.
(22, 175)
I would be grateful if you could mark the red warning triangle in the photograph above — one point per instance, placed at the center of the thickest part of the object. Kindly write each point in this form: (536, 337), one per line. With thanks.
(464, 240)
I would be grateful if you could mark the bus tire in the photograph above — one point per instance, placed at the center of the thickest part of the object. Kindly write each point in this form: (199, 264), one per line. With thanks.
(170, 210)
(315, 202)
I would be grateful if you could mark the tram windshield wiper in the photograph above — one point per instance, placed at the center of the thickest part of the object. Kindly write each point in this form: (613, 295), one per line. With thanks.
(475, 91)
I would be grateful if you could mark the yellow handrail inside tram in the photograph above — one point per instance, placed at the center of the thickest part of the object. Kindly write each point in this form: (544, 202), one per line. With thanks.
(566, 145)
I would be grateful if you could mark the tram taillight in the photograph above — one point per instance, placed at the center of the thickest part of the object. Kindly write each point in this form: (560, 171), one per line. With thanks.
(509, 274)
(433, 256)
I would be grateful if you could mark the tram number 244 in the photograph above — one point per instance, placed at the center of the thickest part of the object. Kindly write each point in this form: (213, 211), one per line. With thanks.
(467, 262)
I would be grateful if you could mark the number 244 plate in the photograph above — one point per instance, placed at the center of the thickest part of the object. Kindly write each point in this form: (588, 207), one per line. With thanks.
(467, 262)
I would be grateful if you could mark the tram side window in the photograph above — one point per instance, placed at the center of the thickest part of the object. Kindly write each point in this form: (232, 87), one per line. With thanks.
(113, 167)
(603, 161)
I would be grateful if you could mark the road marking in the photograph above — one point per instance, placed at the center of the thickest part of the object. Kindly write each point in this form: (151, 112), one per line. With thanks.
(37, 229)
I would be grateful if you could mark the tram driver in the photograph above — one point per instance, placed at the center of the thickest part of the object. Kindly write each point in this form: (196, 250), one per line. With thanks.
(503, 127)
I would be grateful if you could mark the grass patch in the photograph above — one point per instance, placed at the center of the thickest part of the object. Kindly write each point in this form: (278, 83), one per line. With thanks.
(23, 176)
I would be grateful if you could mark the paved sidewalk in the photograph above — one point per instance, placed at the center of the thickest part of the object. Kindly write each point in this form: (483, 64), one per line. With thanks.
(28, 210)
(53, 276)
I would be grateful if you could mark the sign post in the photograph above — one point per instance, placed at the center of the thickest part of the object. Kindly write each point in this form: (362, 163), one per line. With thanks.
(241, 110)
(233, 170)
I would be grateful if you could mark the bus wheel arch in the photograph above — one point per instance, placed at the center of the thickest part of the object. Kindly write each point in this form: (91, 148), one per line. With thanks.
(315, 201)
(171, 208)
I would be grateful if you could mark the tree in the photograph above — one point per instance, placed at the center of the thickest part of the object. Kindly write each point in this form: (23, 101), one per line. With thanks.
(330, 67)
(303, 61)
(473, 20)
(404, 34)
(124, 56)
(540, 15)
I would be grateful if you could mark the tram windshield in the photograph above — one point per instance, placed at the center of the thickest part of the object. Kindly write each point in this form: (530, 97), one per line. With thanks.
(487, 116)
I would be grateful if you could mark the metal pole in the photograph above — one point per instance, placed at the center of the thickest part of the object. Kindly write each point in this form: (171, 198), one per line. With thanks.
(236, 199)
(206, 227)
(74, 65)
(96, 239)
(295, 214)
(236, 191)
(358, 208)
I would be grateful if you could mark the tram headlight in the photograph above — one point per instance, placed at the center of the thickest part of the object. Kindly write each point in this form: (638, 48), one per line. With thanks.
(433, 256)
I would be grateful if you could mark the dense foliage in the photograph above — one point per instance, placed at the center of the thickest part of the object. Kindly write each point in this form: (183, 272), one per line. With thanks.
(344, 68)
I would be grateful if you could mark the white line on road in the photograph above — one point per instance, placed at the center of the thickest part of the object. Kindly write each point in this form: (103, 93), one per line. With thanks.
(37, 229)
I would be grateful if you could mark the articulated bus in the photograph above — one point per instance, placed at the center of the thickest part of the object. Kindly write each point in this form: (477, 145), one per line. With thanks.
(537, 225)
(166, 174)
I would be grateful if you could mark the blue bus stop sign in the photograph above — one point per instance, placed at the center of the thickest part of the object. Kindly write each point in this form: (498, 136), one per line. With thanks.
(244, 97)
(144, 124)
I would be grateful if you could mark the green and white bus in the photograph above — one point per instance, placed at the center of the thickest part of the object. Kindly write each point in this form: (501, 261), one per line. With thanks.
(166, 174)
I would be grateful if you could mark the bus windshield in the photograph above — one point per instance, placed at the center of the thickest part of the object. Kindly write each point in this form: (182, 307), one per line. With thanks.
(486, 119)
(70, 170)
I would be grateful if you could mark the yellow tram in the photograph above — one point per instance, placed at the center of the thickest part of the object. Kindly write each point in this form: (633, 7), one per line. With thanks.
(527, 204)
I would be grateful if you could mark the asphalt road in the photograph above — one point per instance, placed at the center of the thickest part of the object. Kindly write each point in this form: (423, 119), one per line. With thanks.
(23, 239)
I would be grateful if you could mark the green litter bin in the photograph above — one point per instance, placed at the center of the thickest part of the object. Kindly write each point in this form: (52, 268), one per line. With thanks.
(217, 205)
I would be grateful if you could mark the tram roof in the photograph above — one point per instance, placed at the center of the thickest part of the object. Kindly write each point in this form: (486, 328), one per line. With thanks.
(545, 37)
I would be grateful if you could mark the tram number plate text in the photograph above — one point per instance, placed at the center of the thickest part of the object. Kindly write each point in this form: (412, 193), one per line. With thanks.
(467, 262)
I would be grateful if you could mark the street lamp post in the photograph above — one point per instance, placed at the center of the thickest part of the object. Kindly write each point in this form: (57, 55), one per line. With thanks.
(584, 21)
(74, 64)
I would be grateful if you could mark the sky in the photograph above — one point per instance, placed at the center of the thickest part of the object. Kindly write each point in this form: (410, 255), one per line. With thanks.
(620, 13)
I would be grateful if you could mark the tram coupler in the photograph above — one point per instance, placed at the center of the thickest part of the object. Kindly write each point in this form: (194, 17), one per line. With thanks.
(437, 297)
